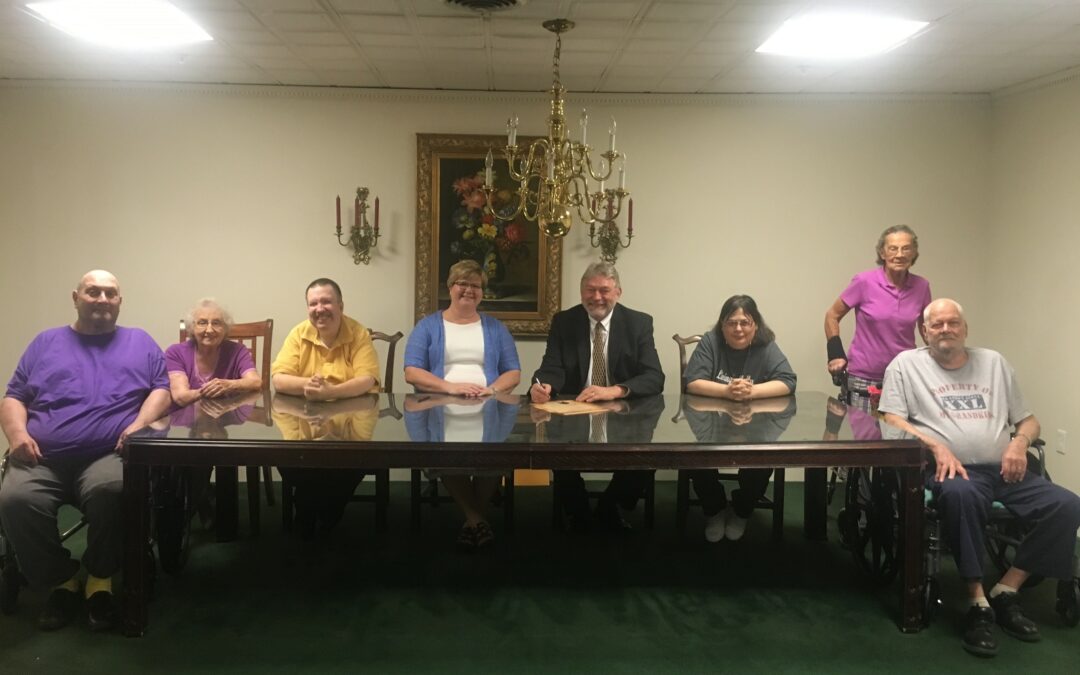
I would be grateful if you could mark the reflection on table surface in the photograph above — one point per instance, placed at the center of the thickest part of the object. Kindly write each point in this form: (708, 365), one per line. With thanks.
(421, 418)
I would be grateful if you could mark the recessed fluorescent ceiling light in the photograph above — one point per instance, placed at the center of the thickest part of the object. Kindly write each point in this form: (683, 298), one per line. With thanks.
(122, 24)
(839, 36)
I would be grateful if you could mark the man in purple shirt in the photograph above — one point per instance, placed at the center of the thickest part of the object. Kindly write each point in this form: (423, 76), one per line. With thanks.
(78, 392)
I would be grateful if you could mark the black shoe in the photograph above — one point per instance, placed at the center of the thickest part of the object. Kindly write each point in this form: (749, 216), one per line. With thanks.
(466, 539)
(101, 611)
(1011, 618)
(483, 535)
(979, 632)
(61, 608)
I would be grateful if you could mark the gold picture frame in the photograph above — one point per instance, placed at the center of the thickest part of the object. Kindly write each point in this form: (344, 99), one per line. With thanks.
(524, 267)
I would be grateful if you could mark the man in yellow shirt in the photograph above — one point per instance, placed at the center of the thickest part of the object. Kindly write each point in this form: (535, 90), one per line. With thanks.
(328, 357)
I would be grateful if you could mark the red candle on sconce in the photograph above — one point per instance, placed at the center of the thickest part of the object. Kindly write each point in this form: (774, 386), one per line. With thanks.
(356, 212)
(339, 214)
(630, 218)
(376, 214)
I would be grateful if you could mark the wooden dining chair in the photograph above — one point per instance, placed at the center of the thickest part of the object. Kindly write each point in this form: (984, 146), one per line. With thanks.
(258, 337)
(381, 497)
(683, 500)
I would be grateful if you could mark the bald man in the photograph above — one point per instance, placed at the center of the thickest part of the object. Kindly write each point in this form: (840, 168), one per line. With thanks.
(962, 403)
(78, 392)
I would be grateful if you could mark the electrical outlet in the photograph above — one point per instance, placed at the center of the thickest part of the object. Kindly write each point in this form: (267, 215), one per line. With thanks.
(1061, 441)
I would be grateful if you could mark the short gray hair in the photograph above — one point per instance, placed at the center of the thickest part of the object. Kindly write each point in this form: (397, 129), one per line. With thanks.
(897, 229)
(207, 303)
(601, 269)
(942, 301)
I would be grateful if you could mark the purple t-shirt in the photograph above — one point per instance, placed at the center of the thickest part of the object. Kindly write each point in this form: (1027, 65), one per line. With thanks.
(234, 360)
(885, 318)
(82, 391)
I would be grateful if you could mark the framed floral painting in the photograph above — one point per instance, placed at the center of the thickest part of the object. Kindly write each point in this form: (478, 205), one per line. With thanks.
(523, 267)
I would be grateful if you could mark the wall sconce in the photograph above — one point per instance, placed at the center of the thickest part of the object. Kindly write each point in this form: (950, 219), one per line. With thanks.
(362, 236)
(605, 234)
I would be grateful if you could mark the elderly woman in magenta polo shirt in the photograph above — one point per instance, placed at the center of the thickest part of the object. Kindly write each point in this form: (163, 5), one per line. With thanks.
(207, 365)
(461, 352)
(888, 302)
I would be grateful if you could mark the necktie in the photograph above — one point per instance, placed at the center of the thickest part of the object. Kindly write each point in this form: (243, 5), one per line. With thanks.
(599, 360)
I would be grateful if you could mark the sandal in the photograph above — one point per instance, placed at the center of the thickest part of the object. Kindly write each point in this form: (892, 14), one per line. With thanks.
(466, 539)
(483, 534)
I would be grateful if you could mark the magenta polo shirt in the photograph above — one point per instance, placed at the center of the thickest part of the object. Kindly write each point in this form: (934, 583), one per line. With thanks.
(885, 319)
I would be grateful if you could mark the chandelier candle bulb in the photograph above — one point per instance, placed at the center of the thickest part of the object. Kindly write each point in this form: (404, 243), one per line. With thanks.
(584, 125)
(487, 168)
(611, 136)
(622, 176)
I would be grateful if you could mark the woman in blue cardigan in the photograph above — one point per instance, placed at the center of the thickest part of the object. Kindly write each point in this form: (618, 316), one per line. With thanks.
(461, 352)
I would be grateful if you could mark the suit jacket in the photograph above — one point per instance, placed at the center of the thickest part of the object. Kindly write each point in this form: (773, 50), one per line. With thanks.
(631, 353)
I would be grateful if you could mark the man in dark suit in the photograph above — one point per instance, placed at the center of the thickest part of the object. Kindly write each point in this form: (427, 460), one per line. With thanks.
(599, 351)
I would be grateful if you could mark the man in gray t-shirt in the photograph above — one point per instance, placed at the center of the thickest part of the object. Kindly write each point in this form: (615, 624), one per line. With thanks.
(963, 403)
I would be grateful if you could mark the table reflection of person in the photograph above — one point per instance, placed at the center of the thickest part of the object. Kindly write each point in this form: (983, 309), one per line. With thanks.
(463, 352)
(626, 422)
(329, 357)
(440, 418)
(208, 365)
(320, 496)
(738, 360)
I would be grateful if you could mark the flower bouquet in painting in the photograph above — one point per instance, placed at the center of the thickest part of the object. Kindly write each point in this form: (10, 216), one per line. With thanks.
(495, 242)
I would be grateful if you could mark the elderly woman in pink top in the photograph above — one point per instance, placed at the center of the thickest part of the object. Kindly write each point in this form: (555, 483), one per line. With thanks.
(207, 365)
(888, 302)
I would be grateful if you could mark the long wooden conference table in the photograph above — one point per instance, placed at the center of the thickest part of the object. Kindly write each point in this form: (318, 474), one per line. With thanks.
(396, 432)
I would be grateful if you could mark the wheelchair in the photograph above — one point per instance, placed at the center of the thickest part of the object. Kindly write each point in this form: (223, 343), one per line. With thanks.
(171, 502)
(870, 529)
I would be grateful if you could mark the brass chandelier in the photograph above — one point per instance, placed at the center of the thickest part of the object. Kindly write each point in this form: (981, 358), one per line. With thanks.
(553, 174)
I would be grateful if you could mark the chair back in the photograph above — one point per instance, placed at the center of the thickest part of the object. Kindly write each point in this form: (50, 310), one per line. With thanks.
(683, 343)
(257, 336)
(391, 346)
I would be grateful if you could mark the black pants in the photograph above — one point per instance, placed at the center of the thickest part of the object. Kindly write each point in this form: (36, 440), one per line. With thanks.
(624, 490)
(321, 493)
(709, 489)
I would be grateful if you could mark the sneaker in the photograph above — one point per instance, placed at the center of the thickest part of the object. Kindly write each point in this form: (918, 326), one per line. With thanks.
(736, 527)
(714, 526)
(979, 632)
(101, 611)
(1011, 618)
(61, 608)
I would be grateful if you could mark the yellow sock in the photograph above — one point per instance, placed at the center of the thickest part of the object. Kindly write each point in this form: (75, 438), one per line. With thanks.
(96, 584)
(71, 584)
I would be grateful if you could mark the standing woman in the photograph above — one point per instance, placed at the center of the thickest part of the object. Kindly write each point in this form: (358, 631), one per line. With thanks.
(740, 361)
(461, 352)
(207, 365)
(888, 303)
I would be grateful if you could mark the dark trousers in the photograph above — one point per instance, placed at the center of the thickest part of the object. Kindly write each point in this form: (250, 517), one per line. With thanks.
(624, 490)
(321, 493)
(30, 498)
(709, 489)
(1047, 549)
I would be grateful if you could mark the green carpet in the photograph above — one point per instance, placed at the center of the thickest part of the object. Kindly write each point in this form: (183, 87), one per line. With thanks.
(540, 602)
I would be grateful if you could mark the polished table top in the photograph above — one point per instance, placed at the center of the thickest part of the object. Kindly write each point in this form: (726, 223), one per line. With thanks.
(405, 430)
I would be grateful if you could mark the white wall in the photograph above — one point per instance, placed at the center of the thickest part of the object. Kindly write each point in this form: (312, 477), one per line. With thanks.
(1032, 242)
(228, 191)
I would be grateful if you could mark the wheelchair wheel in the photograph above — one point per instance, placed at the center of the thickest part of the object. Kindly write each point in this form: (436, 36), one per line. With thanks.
(931, 600)
(173, 511)
(1068, 601)
(869, 522)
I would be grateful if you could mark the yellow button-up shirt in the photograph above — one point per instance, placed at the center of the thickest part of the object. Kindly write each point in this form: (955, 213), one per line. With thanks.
(352, 355)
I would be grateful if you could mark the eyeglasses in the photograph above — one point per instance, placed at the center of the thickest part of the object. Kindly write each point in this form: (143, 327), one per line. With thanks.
(745, 324)
(893, 250)
(465, 285)
(216, 323)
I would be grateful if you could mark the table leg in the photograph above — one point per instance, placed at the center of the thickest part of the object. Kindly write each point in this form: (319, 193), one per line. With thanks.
(815, 504)
(227, 493)
(911, 605)
(136, 539)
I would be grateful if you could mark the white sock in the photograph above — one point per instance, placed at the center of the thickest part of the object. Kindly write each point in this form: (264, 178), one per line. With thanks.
(1001, 588)
(980, 601)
